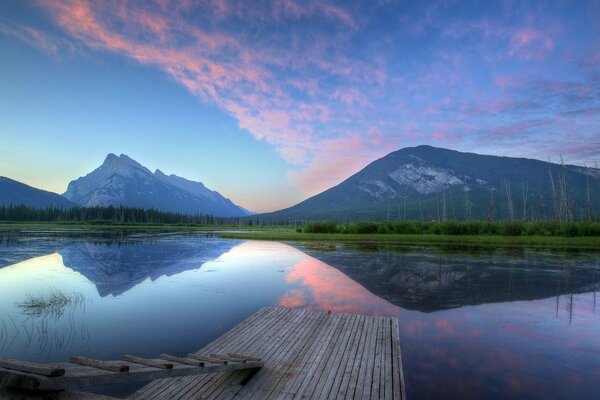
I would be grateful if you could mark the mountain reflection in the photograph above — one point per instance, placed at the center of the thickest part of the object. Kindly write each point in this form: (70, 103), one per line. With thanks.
(427, 281)
(115, 268)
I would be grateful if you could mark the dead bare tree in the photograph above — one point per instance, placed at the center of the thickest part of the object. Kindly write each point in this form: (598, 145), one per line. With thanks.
(437, 194)
(467, 204)
(444, 213)
(557, 213)
(452, 205)
(589, 197)
(525, 193)
(491, 212)
(511, 210)
(564, 194)
(388, 212)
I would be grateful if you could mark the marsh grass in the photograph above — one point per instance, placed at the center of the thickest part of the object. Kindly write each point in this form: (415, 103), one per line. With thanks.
(44, 323)
(52, 304)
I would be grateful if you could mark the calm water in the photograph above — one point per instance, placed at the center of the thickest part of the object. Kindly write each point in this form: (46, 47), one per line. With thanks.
(474, 324)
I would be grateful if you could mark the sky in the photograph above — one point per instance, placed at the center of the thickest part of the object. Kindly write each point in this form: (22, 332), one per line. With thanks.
(270, 102)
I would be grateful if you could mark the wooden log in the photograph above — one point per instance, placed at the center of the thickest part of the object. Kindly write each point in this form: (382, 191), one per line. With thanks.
(182, 360)
(99, 364)
(242, 357)
(146, 361)
(208, 359)
(225, 357)
(34, 368)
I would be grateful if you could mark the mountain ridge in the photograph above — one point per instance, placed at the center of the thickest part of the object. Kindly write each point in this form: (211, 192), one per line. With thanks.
(16, 193)
(120, 180)
(430, 183)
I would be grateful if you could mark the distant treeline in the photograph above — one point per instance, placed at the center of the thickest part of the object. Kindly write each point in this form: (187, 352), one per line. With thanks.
(133, 215)
(504, 228)
(126, 215)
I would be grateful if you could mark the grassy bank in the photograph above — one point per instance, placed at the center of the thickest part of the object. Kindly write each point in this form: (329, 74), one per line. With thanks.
(141, 227)
(283, 233)
(463, 240)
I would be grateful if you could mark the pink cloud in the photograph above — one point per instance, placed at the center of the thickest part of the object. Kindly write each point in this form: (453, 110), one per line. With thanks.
(32, 37)
(327, 289)
(530, 43)
(332, 100)
(232, 72)
(438, 135)
(336, 159)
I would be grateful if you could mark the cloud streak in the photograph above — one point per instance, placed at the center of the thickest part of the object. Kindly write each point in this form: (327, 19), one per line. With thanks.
(334, 85)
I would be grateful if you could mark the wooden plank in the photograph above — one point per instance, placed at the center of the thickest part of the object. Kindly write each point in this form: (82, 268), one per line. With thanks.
(366, 371)
(168, 388)
(99, 364)
(186, 388)
(310, 358)
(183, 360)
(103, 377)
(241, 357)
(271, 337)
(386, 376)
(296, 363)
(375, 379)
(17, 394)
(270, 317)
(308, 386)
(349, 380)
(397, 372)
(220, 384)
(347, 358)
(276, 350)
(34, 368)
(148, 362)
(225, 357)
(208, 359)
(306, 355)
(286, 356)
(334, 361)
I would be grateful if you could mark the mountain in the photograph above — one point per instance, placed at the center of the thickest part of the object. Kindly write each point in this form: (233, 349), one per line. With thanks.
(429, 183)
(17, 193)
(123, 181)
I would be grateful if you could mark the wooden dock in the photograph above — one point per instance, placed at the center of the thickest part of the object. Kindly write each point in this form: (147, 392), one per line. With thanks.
(306, 355)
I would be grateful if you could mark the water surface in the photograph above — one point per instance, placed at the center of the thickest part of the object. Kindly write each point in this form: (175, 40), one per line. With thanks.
(474, 323)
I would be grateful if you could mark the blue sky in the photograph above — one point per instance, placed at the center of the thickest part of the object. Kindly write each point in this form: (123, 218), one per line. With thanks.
(269, 102)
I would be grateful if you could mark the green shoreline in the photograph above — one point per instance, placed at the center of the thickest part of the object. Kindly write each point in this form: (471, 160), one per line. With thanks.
(275, 233)
(425, 239)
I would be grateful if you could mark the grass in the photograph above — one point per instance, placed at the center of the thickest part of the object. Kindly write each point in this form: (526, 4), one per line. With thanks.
(51, 304)
(462, 240)
(287, 233)
(141, 227)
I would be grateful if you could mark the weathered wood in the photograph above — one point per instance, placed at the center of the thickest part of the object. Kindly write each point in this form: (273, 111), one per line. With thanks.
(305, 354)
(287, 349)
(183, 360)
(34, 368)
(17, 394)
(242, 357)
(95, 377)
(148, 362)
(215, 386)
(208, 359)
(227, 358)
(264, 322)
(99, 364)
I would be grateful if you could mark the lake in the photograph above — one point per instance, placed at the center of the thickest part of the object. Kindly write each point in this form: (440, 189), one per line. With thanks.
(474, 322)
